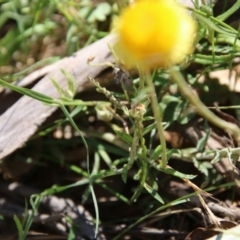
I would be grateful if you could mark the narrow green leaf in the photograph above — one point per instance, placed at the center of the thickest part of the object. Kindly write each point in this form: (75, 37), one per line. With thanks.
(216, 158)
(104, 155)
(149, 128)
(200, 166)
(57, 86)
(100, 12)
(203, 141)
(124, 173)
(230, 11)
(28, 92)
(85, 194)
(153, 192)
(19, 227)
(71, 234)
(167, 100)
(137, 193)
(125, 137)
(175, 173)
(96, 164)
(71, 83)
(96, 209)
(170, 152)
(156, 153)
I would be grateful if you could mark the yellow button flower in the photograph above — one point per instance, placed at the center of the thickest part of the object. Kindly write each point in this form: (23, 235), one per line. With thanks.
(154, 33)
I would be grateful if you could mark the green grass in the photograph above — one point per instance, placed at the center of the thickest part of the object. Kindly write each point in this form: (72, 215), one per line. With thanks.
(29, 27)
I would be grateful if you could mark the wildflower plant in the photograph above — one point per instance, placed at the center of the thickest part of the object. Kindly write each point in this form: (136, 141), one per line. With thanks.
(151, 34)
(158, 34)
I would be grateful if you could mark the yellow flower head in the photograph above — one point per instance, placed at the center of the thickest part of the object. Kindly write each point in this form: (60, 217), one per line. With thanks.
(154, 33)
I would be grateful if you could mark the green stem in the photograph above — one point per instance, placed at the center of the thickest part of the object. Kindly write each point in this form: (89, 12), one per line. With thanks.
(229, 40)
(215, 19)
(158, 118)
(133, 151)
(142, 157)
(202, 109)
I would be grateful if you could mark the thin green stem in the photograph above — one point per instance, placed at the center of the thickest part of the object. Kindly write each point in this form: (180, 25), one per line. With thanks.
(168, 205)
(143, 156)
(202, 109)
(158, 118)
(133, 151)
(217, 20)
(142, 76)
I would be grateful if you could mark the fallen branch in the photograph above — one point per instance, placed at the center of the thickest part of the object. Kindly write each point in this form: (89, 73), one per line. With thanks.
(23, 118)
